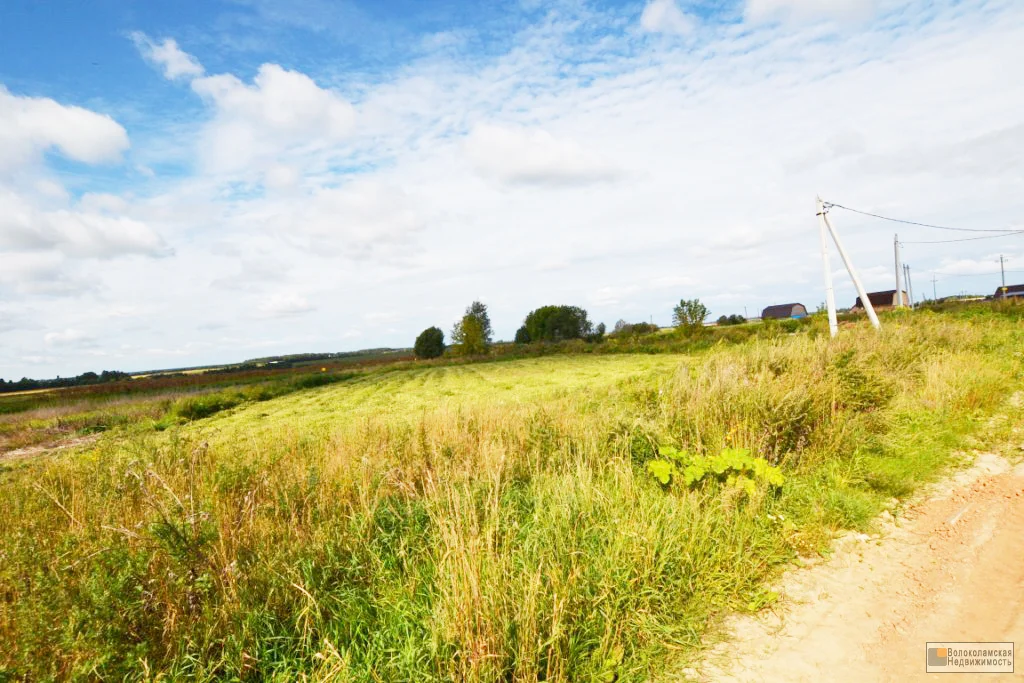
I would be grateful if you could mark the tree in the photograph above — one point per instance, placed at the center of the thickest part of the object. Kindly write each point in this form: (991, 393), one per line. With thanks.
(469, 335)
(624, 329)
(430, 343)
(690, 314)
(522, 336)
(473, 332)
(556, 323)
(479, 311)
(734, 319)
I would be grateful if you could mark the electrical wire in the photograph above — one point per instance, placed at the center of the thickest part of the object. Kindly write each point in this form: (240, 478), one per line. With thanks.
(965, 239)
(994, 272)
(829, 205)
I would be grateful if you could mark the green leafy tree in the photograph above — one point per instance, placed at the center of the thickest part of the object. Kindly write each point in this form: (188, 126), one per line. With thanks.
(734, 319)
(430, 343)
(469, 336)
(522, 336)
(479, 311)
(690, 314)
(556, 323)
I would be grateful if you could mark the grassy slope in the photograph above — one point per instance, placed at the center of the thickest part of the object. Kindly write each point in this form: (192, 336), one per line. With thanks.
(480, 522)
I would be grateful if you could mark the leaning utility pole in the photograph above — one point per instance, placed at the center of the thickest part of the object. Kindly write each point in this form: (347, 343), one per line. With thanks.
(899, 288)
(830, 298)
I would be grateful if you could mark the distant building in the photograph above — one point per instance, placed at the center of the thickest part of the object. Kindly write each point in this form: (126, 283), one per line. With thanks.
(1010, 291)
(783, 311)
(886, 299)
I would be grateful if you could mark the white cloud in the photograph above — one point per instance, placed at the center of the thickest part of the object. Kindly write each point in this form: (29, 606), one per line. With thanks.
(359, 219)
(522, 156)
(37, 274)
(166, 54)
(987, 265)
(281, 112)
(382, 317)
(761, 10)
(254, 274)
(285, 305)
(68, 337)
(608, 296)
(664, 16)
(86, 230)
(30, 126)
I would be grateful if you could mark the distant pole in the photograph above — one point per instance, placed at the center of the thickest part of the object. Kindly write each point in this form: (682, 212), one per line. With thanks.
(744, 311)
(910, 284)
(899, 288)
(1002, 270)
(830, 297)
(853, 274)
(935, 296)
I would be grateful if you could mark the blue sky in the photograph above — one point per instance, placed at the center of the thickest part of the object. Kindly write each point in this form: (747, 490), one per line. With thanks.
(200, 182)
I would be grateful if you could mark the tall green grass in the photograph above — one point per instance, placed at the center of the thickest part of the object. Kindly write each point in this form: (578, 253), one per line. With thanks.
(482, 539)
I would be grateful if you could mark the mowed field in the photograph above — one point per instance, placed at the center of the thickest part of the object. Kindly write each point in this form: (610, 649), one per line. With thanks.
(404, 397)
(494, 521)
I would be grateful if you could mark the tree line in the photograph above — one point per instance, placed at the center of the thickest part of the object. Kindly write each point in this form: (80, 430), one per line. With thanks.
(26, 384)
(472, 334)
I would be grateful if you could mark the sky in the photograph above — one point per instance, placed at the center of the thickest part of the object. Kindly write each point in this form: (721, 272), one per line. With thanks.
(187, 183)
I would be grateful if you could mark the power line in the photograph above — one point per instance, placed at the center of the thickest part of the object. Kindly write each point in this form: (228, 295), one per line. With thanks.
(995, 272)
(966, 239)
(829, 205)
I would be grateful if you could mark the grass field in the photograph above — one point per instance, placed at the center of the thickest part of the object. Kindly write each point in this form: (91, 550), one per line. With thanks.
(485, 521)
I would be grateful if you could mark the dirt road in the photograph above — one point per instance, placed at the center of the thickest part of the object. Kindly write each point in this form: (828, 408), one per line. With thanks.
(950, 569)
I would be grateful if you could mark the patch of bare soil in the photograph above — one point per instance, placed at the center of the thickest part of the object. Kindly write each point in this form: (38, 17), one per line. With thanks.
(950, 569)
(34, 451)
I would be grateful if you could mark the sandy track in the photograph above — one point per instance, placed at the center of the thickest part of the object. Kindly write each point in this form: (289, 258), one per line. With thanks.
(950, 569)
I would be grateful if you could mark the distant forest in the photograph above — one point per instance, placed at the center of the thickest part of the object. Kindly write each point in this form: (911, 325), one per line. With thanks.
(276, 362)
(26, 384)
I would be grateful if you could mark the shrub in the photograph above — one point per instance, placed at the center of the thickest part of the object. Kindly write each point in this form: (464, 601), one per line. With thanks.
(733, 467)
(624, 329)
(430, 343)
(557, 323)
(690, 314)
(198, 407)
